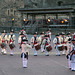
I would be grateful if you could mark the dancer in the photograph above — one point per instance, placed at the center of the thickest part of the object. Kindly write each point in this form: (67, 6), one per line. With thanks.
(4, 42)
(57, 42)
(47, 45)
(72, 56)
(12, 39)
(49, 33)
(69, 48)
(35, 43)
(41, 38)
(23, 42)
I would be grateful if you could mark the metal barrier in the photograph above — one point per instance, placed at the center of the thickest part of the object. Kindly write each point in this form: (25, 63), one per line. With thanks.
(30, 29)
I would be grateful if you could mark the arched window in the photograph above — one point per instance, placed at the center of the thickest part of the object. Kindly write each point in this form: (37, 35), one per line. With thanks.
(60, 3)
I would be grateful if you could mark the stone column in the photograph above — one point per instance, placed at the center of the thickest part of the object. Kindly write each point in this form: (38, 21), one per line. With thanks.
(27, 16)
(44, 3)
(33, 17)
(56, 16)
(44, 18)
(26, 3)
(21, 19)
(70, 19)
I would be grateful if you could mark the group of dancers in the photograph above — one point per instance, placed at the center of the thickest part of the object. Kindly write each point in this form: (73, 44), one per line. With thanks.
(36, 43)
(42, 42)
(62, 44)
(10, 40)
(66, 45)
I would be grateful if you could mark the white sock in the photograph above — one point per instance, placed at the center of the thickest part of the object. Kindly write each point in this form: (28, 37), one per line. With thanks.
(4, 51)
(24, 61)
(11, 51)
(72, 66)
(69, 63)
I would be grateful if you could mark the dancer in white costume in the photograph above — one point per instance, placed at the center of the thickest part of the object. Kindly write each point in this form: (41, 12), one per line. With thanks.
(34, 42)
(57, 42)
(69, 48)
(11, 39)
(3, 39)
(64, 43)
(41, 38)
(23, 42)
(47, 45)
(49, 34)
(72, 56)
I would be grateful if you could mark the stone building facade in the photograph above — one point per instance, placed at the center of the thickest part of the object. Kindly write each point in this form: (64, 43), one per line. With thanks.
(9, 8)
(48, 3)
(8, 11)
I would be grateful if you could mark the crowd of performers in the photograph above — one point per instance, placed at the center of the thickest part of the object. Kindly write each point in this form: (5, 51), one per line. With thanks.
(66, 45)
(63, 44)
(4, 40)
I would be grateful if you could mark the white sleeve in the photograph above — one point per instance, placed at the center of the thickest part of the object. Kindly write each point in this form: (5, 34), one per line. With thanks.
(14, 38)
(32, 40)
(19, 39)
(54, 41)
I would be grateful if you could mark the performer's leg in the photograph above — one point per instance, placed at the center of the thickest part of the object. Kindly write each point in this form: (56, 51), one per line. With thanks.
(42, 48)
(35, 52)
(27, 55)
(46, 52)
(58, 52)
(4, 51)
(24, 56)
(56, 49)
(74, 66)
(69, 62)
(72, 63)
(11, 52)
(63, 52)
(24, 60)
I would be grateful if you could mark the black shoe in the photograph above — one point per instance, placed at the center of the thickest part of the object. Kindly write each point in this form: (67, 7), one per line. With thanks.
(58, 55)
(11, 54)
(69, 68)
(24, 67)
(4, 53)
(73, 70)
(35, 55)
(47, 55)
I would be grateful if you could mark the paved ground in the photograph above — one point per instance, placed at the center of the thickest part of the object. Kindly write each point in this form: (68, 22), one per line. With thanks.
(40, 65)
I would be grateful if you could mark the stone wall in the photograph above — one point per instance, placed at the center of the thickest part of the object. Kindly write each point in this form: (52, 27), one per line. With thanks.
(48, 3)
(8, 8)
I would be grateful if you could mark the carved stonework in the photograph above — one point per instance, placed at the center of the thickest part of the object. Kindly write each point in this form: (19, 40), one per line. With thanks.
(32, 3)
(8, 8)
(3, 19)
